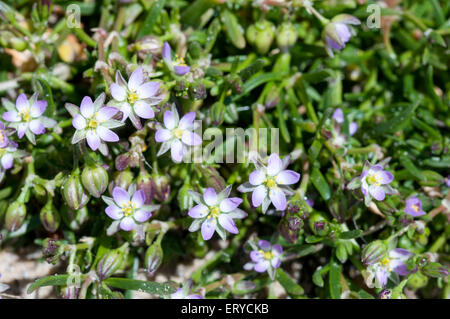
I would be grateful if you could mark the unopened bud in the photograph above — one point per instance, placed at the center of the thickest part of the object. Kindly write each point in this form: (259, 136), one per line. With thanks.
(146, 184)
(70, 292)
(50, 218)
(162, 187)
(261, 35)
(319, 225)
(122, 179)
(15, 216)
(153, 257)
(110, 263)
(74, 193)
(373, 252)
(95, 180)
(435, 270)
(74, 219)
(286, 35)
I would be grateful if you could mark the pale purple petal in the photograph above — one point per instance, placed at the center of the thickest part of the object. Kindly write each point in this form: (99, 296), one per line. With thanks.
(264, 244)
(198, 211)
(276, 262)
(343, 32)
(287, 177)
(162, 135)
(228, 223)
(274, 165)
(208, 228)
(144, 110)
(338, 116)
(413, 207)
(400, 253)
(176, 151)
(262, 266)
(142, 215)
(118, 93)
(364, 188)
(385, 177)
(7, 161)
(38, 108)
(11, 116)
(106, 113)
(23, 127)
(127, 224)
(377, 192)
(106, 134)
(79, 122)
(148, 89)
(255, 256)
(181, 69)
(381, 276)
(37, 127)
(114, 212)
(136, 79)
(93, 140)
(187, 120)
(121, 196)
(210, 196)
(87, 107)
(400, 269)
(258, 195)
(191, 138)
(22, 102)
(230, 204)
(278, 248)
(166, 53)
(257, 177)
(169, 120)
(333, 44)
(278, 198)
(138, 199)
(353, 127)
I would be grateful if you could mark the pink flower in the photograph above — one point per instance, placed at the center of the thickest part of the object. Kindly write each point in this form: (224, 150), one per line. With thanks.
(178, 66)
(374, 182)
(135, 98)
(215, 212)
(265, 257)
(128, 208)
(94, 122)
(177, 134)
(26, 117)
(270, 184)
(413, 207)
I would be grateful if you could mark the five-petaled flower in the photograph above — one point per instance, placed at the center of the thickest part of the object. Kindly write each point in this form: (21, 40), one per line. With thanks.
(413, 207)
(378, 273)
(269, 184)
(215, 212)
(337, 32)
(177, 134)
(7, 156)
(26, 116)
(265, 257)
(94, 122)
(135, 98)
(178, 66)
(128, 208)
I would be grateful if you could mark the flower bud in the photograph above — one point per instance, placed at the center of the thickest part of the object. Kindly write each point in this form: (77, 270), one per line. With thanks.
(373, 252)
(73, 192)
(15, 216)
(74, 219)
(435, 270)
(261, 35)
(319, 225)
(50, 218)
(122, 179)
(50, 250)
(110, 263)
(162, 187)
(153, 257)
(147, 185)
(18, 44)
(95, 180)
(286, 35)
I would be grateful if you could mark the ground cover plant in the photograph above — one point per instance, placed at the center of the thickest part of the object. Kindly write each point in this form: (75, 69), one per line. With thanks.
(234, 148)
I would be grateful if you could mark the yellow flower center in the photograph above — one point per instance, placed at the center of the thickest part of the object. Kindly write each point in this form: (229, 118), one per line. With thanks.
(93, 123)
(25, 115)
(178, 133)
(2, 137)
(374, 179)
(128, 209)
(268, 255)
(385, 261)
(415, 207)
(270, 182)
(133, 97)
(179, 60)
(214, 213)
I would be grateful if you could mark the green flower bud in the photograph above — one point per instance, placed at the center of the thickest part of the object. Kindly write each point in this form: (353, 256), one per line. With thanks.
(123, 179)
(110, 263)
(95, 180)
(18, 44)
(435, 270)
(154, 257)
(73, 192)
(162, 187)
(319, 225)
(50, 218)
(74, 219)
(15, 216)
(261, 35)
(373, 252)
(286, 35)
(185, 201)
